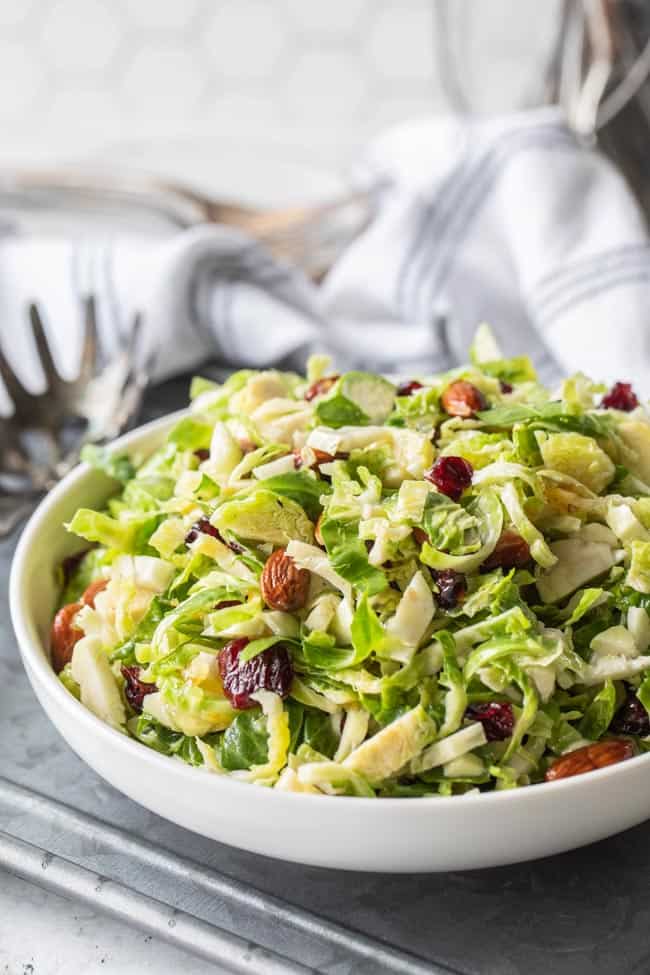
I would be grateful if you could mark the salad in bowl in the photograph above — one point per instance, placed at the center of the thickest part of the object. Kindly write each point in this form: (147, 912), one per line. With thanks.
(341, 585)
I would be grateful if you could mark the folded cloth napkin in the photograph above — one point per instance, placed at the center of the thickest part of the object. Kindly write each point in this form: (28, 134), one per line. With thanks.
(510, 221)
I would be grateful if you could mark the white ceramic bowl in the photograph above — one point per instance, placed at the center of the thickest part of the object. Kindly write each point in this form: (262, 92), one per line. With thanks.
(410, 835)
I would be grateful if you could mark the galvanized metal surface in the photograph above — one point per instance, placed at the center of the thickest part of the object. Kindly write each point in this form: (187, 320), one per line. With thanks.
(584, 912)
(152, 916)
(45, 865)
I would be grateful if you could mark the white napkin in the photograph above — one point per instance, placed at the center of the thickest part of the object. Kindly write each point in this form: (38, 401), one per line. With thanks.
(509, 221)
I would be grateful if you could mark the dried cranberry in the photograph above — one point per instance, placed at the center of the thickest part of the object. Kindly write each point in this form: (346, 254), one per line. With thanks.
(451, 475)
(505, 387)
(233, 546)
(497, 719)
(135, 690)
(201, 527)
(408, 388)
(420, 536)
(620, 397)
(204, 527)
(270, 670)
(631, 718)
(227, 603)
(297, 460)
(452, 587)
(320, 387)
(202, 453)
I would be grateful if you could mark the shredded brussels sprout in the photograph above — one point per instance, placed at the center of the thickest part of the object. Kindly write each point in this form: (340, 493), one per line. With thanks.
(339, 586)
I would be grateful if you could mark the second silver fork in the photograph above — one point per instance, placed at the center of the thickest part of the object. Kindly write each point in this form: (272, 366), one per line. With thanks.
(42, 439)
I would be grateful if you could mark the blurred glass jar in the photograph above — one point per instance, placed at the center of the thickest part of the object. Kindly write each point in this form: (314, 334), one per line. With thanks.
(590, 56)
(493, 57)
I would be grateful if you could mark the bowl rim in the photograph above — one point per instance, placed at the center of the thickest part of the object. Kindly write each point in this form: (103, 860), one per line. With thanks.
(36, 662)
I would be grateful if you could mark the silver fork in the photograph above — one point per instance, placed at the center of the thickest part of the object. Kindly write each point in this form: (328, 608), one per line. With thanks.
(310, 236)
(41, 441)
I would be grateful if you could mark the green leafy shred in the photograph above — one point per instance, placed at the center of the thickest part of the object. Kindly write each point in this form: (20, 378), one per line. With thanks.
(412, 604)
(118, 466)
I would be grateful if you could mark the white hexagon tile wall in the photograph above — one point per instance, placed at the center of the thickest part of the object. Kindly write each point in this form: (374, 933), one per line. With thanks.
(181, 84)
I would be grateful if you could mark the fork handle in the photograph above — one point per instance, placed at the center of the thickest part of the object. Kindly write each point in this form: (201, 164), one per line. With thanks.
(181, 204)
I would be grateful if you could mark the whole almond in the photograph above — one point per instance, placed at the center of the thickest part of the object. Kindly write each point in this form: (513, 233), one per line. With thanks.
(313, 458)
(462, 399)
(322, 457)
(246, 445)
(320, 387)
(88, 598)
(511, 552)
(284, 586)
(64, 635)
(591, 757)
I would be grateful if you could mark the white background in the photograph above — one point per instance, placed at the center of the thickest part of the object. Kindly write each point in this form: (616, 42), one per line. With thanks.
(183, 85)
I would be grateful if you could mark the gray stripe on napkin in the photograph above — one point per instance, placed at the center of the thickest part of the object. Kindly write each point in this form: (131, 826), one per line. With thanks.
(447, 217)
(559, 285)
(589, 289)
(474, 198)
